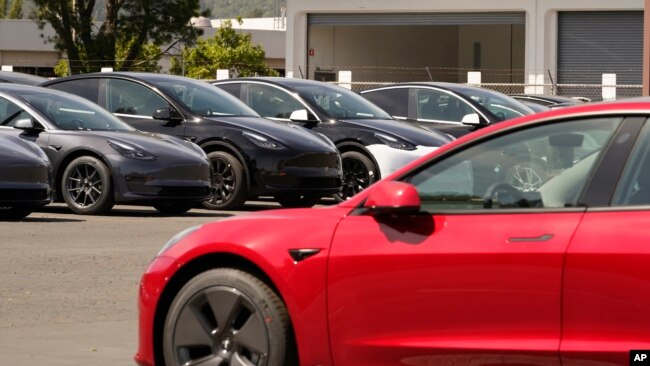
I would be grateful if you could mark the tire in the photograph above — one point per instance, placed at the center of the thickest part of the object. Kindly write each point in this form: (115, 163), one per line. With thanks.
(173, 208)
(526, 176)
(86, 186)
(257, 323)
(228, 183)
(297, 200)
(14, 212)
(359, 172)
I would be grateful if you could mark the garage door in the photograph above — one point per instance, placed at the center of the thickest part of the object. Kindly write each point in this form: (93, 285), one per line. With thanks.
(593, 43)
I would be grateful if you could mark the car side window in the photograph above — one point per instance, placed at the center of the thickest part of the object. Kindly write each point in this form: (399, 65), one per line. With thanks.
(440, 106)
(233, 88)
(540, 167)
(10, 112)
(394, 101)
(634, 186)
(86, 88)
(127, 97)
(272, 102)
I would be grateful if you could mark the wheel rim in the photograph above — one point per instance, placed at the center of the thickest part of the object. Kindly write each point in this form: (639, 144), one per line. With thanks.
(356, 177)
(223, 182)
(220, 326)
(525, 179)
(84, 185)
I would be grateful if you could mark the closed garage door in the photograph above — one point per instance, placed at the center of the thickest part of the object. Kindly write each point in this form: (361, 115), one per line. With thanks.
(593, 43)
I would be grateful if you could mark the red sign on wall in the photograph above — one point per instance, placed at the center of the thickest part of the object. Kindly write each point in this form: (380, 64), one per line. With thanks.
(311, 52)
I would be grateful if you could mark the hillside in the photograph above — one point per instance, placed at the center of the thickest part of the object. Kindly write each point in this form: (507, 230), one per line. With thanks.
(218, 8)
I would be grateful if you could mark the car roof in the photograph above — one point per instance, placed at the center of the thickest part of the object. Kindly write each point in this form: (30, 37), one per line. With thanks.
(288, 82)
(141, 76)
(21, 78)
(437, 84)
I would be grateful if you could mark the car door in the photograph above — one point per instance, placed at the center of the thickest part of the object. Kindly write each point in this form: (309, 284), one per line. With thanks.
(135, 104)
(394, 100)
(606, 296)
(476, 277)
(11, 112)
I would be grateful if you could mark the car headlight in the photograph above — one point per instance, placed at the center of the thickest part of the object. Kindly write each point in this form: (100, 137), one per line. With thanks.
(178, 237)
(394, 143)
(264, 142)
(130, 151)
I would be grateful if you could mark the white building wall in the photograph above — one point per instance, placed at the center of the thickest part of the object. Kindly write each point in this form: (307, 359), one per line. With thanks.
(541, 22)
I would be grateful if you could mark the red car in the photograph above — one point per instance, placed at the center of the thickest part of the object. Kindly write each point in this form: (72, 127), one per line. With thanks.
(465, 257)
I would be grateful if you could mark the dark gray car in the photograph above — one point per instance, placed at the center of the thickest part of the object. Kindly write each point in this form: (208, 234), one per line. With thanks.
(25, 173)
(99, 160)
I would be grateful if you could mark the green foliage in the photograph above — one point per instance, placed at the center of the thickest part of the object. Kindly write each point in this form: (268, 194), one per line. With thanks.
(129, 26)
(12, 9)
(16, 10)
(228, 49)
(62, 68)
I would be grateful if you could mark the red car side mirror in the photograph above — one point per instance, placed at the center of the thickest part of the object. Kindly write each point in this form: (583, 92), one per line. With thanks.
(393, 198)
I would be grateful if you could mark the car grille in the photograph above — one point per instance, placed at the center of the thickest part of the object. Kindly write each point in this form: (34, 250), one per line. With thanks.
(315, 160)
(7, 195)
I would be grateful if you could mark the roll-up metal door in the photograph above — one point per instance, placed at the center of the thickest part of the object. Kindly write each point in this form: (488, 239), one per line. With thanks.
(419, 19)
(593, 43)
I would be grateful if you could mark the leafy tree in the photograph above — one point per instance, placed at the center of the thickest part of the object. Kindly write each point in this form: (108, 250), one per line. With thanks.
(11, 10)
(16, 10)
(129, 26)
(228, 49)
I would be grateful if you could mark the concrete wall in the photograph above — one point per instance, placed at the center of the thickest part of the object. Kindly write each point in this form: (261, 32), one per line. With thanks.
(540, 35)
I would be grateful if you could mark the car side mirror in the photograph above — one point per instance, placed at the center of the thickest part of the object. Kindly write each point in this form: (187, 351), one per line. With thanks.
(301, 115)
(393, 198)
(166, 115)
(471, 119)
(26, 124)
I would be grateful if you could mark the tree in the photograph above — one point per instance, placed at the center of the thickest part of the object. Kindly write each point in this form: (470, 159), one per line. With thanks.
(228, 49)
(11, 10)
(121, 40)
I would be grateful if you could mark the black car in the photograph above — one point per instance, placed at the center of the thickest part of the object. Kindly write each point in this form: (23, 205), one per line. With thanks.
(456, 109)
(251, 156)
(20, 78)
(25, 175)
(371, 143)
(548, 101)
(99, 160)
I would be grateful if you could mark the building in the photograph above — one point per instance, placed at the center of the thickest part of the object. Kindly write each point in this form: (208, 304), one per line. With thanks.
(567, 42)
(24, 48)
(31, 53)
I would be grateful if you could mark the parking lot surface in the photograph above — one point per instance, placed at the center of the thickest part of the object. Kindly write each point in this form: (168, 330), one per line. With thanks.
(68, 283)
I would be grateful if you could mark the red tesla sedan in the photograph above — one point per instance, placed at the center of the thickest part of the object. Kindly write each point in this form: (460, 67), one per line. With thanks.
(525, 243)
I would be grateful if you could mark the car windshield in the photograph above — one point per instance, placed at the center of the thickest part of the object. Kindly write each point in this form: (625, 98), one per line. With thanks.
(338, 102)
(204, 99)
(501, 106)
(69, 112)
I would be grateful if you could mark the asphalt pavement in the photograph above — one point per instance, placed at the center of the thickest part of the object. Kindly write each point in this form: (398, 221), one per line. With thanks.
(68, 283)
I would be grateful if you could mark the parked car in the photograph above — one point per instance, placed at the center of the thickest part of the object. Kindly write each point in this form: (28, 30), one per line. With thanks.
(549, 101)
(456, 109)
(434, 265)
(25, 178)
(372, 145)
(99, 160)
(250, 156)
(20, 78)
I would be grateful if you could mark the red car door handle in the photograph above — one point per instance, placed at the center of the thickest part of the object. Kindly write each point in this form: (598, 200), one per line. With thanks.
(531, 239)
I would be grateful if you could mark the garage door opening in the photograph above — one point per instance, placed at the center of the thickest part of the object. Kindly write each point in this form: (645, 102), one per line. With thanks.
(417, 47)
